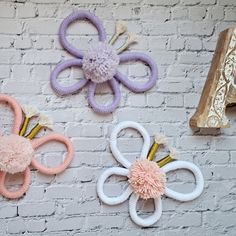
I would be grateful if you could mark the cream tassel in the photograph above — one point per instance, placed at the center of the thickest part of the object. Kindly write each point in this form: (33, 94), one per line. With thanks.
(132, 38)
(44, 121)
(158, 140)
(29, 112)
(120, 29)
(173, 155)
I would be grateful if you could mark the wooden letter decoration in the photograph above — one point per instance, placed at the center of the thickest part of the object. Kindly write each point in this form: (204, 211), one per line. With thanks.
(220, 87)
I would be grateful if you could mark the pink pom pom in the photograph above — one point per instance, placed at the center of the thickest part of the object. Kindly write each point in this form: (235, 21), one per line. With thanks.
(16, 153)
(147, 179)
(100, 63)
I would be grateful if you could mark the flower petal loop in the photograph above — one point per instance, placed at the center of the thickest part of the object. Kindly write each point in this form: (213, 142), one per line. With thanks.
(16, 109)
(53, 137)
(147, 221)
(100, 186)
(113, 141)
(79, 15)
(64, 90)
(134, 86)
(183, 197)
(104, 108)
(19, 192)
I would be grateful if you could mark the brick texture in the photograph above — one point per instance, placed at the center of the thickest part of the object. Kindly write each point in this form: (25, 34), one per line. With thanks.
(181, 36)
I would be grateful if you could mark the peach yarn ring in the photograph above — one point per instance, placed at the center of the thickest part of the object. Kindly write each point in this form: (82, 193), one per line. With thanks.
(11, 157)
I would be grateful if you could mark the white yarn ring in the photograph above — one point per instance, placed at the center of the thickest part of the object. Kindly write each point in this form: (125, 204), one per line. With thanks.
(100, 186)
(172, 166)
(150, 220)
(113, 141)
(183, 197)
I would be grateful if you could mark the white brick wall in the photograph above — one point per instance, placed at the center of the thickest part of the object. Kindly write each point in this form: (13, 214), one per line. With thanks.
(181, 36)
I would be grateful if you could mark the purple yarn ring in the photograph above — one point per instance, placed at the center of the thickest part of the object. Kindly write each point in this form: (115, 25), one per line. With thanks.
(113, 83)
(62, 90)
(133, 86)
(102, 108)
(79, 15)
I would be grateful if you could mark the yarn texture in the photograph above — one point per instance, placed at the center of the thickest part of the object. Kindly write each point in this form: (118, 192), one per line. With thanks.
(147, 179)
(100, 63)
(16, 153)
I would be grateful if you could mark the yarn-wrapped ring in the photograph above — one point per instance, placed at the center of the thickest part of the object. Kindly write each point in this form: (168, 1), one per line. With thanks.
(130, 191)
(7, 166)
(99, 66)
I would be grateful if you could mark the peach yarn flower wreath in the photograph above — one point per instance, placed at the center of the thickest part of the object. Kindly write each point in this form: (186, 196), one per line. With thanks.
(17, 151)
(146, 178)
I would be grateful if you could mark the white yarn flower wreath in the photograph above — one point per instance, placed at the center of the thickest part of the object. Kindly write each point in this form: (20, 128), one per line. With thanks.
(146, 179)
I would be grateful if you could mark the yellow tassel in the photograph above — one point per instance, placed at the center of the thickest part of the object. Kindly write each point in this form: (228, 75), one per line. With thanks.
(34, 131)
(158, 140)
(152, 151)
(24, 126)
(173, 155)
(29, 112)
(120, 29)
(44, 121)
(164, 161)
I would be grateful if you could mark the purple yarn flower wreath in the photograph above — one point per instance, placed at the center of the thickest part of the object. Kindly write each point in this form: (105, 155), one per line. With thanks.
(99, 65)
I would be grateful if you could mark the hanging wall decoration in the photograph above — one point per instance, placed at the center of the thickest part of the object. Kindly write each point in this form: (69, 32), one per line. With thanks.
(220, 87)
(100, 63)
(146, 178)
(17, 150)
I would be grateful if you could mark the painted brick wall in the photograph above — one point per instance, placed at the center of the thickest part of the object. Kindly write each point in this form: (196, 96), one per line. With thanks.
(181, 36)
